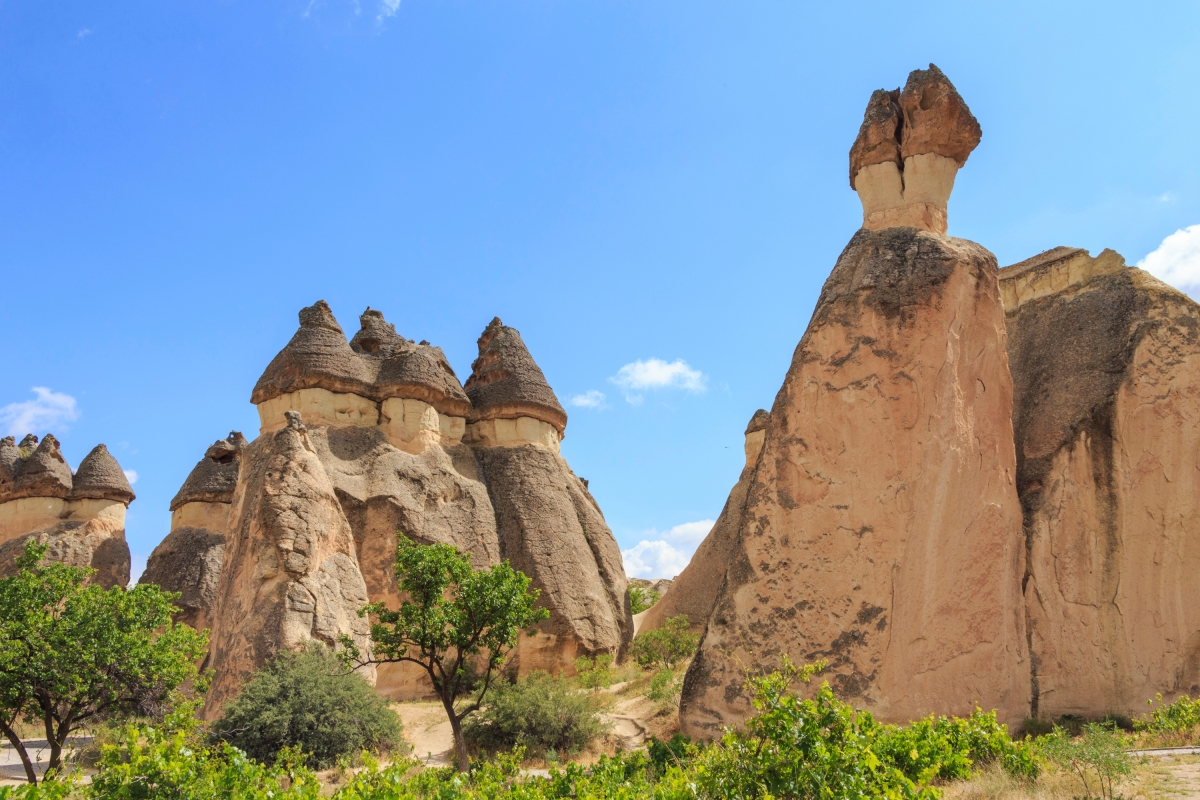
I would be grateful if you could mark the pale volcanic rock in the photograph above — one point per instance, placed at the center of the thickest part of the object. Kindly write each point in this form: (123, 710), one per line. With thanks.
(694, 592)
(909, 148)
(881, 529)
(1106, 372)
(549, 525)
(505, 382)
(188, 560)
(290, 573)
(80, 518)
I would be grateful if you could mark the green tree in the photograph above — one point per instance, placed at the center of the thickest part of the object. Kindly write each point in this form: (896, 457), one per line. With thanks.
(457, 623)
(307, 700)
(668, 645)
(71, 652)
(641, 598)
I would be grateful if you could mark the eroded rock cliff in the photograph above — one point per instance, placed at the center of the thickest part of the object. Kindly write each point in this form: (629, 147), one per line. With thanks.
(1106, 370)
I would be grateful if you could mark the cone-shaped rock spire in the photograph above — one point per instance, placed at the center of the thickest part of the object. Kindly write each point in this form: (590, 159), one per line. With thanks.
(405, 369)
(42, 472)
(318, 356)
(506, 383)
(100, 477)
(214, 477)
(9, 459)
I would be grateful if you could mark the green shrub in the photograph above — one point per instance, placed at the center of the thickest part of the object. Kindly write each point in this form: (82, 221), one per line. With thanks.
(308, 700)
(665, 688)
(666, 646)
(641, 598)
(1179, 717)
(948, 748)
(592, 673)
(538, 712)
(1097, 757)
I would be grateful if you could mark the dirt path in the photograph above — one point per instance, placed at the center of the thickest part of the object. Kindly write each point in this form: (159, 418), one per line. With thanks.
(428, 731)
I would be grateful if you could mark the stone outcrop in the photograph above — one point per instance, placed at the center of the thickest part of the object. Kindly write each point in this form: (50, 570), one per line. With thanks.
(881, 529)
(188, 560)
(695, 590)
(909, 149)
(381, 438)
(80, 517)
(290, 573)
(1105, 362)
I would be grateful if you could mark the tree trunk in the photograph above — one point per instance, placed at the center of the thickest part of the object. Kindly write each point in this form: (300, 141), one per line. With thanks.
(19, 746)
(460, 744)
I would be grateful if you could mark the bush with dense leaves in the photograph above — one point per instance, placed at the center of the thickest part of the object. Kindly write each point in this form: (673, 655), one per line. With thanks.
(666, 646)
(1180, 717)
(538, 712)
(308, 700)
(641, 598)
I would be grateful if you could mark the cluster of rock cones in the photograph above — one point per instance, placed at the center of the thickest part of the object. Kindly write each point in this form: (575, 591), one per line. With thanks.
(976, 487)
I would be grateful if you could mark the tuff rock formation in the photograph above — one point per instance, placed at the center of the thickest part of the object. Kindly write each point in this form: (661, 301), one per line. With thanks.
(881, 529)
(695, 590)
(80, 517)
(909, 149)
(1105, 362)
(189, 559)
(361, 439)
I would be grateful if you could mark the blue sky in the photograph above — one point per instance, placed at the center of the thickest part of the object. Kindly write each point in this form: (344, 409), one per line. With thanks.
(652, 192)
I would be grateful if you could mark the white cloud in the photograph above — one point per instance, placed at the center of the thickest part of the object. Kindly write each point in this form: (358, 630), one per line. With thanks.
(665, 555)
(48, 410)
(387, 8)
(692, 533)
(1177, 259)
(84, 32)
(589, 399)
(130, 475)
(654, 560)
(654, 373)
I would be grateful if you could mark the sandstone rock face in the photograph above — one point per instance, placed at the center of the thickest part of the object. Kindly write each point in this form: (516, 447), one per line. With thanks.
(289, 573)
(80, 517)
(189, 560)
(365, 438)
(909, 149)
(695, 590)
(1106, 372)
(881, 528)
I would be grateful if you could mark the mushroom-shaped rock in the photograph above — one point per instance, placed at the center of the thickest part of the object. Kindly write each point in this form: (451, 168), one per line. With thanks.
(214, 477)
(909, 148)
(10, 457)
(100, 477)
(406, 370)
(505, 382)
(318, 356)
(44, 473)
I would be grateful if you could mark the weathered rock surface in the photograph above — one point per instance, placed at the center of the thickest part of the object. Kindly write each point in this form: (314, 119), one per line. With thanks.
(695, 590)
(290, 573)
(80, 518)
(909, 149)
(1106, 372)
(189, 559)
(365, 438)
(881, 528)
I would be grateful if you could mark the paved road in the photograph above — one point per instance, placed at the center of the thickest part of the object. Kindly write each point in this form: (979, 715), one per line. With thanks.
(11, 768)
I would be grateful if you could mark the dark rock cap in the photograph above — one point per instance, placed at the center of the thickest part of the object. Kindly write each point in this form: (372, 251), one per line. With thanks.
(928, 116)
(403, 369)
(505, 382)
(759, 421)
(100, 477)
(41, 473)
(214, 478)
(318, 356)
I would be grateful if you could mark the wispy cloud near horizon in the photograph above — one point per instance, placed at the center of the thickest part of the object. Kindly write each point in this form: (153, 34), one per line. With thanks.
(590, 399)
(665, 555)
(49, 410)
